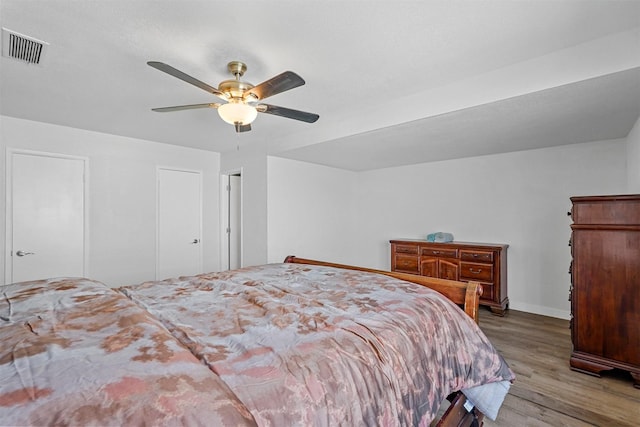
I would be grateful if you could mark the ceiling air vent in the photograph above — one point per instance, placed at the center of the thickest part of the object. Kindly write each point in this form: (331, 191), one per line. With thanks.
(22, 48)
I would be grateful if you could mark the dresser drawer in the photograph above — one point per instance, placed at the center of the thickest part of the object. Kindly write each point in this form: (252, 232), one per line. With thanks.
(407, 263)
(612, 210)
(476, 271)
(406, 249)
(439, 252)
(476, 256)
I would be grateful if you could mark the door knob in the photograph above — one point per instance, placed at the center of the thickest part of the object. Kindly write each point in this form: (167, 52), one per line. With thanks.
(195, 242)
(23, 253)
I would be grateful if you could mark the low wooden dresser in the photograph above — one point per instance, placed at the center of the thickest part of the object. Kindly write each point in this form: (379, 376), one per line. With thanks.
(605, 284)
(485, 263)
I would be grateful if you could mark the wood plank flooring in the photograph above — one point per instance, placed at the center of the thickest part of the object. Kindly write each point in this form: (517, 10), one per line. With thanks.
(546, 391)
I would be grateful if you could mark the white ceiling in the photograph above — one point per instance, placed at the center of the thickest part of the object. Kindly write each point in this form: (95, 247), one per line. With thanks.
(394, 82)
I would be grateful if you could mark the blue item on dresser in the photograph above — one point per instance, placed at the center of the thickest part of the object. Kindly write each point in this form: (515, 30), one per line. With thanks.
(440, 237)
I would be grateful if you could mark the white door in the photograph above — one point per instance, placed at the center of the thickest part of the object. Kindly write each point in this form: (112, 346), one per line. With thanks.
(179, 223)
(46, 216)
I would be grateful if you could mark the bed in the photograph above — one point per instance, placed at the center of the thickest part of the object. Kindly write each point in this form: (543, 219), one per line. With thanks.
(74, 352)
(296, 343)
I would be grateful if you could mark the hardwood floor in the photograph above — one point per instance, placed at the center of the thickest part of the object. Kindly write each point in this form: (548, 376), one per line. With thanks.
(546, 392)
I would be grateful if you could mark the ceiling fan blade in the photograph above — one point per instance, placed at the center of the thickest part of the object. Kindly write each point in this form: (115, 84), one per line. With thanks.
(288, 113)
(242, 128)
(280, 83)
(185, 77)
(185, 107)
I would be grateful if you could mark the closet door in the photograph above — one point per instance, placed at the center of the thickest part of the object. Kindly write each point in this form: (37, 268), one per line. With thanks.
(179, 231)
(45, 216)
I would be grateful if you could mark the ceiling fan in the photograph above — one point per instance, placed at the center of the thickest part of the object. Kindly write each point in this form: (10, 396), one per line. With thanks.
(243, 100)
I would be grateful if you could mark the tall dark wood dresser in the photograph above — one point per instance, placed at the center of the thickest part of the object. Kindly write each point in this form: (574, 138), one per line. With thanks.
(605, 284)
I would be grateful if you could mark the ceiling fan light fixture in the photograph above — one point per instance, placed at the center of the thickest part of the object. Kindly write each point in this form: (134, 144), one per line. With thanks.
(236, 112)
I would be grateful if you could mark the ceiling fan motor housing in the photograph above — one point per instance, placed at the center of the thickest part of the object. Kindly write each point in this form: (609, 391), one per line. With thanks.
(235, 88)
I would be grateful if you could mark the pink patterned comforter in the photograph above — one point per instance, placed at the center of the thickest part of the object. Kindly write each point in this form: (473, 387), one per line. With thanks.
(307, 345)
(74, 352)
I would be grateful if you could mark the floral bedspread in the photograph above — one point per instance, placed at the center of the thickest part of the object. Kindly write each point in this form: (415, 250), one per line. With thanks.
(306, 345)
(74, 352)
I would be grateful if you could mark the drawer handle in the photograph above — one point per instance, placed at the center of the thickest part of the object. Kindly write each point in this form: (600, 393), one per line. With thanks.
(478, 271)
(435, 252)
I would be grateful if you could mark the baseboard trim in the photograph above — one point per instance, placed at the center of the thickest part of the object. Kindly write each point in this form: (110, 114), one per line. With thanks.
(537, 309)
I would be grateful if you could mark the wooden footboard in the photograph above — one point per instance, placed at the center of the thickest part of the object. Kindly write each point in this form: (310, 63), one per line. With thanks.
(464, 294)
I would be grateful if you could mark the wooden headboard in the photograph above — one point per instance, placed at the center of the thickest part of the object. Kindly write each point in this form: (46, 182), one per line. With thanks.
(464, 294)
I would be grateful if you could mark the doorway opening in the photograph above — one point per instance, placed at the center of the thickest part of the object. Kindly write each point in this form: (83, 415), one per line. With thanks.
(231, 221)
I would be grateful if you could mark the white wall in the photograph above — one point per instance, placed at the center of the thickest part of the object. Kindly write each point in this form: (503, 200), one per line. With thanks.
(122, 194)
(633, 159)
(312, 211)
(519, 198)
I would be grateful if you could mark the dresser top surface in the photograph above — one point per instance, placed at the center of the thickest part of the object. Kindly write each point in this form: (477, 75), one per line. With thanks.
(619, 197)
(455, 243)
